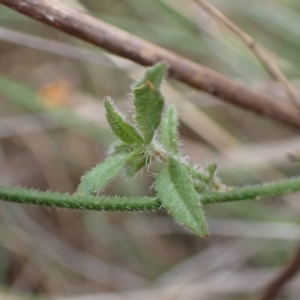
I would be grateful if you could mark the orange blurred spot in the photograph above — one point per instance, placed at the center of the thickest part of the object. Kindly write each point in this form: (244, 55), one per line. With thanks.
(57, 93)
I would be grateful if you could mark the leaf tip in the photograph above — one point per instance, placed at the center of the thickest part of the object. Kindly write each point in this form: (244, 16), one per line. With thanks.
(153, 77)
(156, 74)
(108, 102)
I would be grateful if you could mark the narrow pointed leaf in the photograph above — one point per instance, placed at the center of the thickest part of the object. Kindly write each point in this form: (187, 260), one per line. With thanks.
(125, 131)
(177, 194)
(97, 179)
(168, 134)
(148, 101)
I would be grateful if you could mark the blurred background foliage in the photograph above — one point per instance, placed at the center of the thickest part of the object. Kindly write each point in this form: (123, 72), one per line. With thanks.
(53, 129)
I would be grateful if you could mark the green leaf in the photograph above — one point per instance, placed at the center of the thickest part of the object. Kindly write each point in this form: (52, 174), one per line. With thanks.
(96, 180)
(125, 131)
(168, 134)
(155, 75)
(177, 194)
(135, 163)
(121, 148)
(148, 100)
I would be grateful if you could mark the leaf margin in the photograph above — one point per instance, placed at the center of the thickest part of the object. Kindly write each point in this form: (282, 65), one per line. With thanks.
(171, 189)
(120, 127)
(102, 174)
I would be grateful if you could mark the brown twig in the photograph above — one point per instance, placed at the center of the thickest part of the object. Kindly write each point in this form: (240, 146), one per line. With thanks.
(256, 49)
(283, 277)
(121, 43)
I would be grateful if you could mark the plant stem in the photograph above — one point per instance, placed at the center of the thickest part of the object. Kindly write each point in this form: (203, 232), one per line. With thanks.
(256, 192)
(48, 199)
(25, 196)
(196, 173)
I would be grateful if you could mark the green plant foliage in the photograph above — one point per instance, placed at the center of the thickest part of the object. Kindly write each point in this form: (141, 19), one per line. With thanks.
(135, 163)
(97, 179)
(168, 134)
(181, 187)
(148, 101)
(125, 131)
(121, 148)
(82, 202)
(177, 194)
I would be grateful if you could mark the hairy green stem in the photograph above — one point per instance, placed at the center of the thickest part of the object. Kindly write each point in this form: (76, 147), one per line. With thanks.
(196, 173)
(25, 196)
(257, 192)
